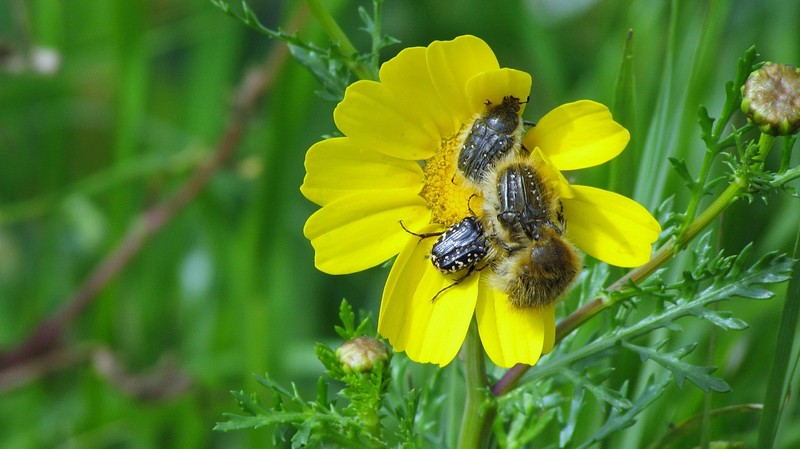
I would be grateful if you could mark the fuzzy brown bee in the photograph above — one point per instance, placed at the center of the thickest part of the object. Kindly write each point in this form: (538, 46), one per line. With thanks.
(539, 273)
(535, 265)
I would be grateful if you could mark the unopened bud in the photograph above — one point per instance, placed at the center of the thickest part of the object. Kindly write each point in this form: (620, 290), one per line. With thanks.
(361, 353)
(771, 99)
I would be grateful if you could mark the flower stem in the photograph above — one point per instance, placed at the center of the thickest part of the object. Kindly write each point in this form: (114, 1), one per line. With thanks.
(479, 410)
(337, 36)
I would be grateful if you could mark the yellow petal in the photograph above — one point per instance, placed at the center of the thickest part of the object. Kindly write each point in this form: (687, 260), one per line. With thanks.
(549, 323)
(428, 330)
(550, 173)
(336, 168)
(609, 226)
(578, 135)
(376, 118)
(493, 85)
(451, 64)
(363, 230)
(512, 335)
(406, 75)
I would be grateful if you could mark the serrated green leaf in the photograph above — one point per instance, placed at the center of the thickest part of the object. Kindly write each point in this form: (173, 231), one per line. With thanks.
(332, 73)
(303, 434)
(248, 402)
(683, 171)
(771, 269)
(601, 393)
(267, 382)
(348, 318)
(722, 319)
(706, 124)
(238, 422)
(369, 24)
(681, 370)
(738, 262)
(752, 293)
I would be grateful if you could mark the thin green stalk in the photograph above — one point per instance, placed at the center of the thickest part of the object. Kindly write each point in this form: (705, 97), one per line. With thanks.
(479, 411)
(774, 399)
(377, 6)
(786, 154)
(787, 176)
(700, 185)
(340, 39)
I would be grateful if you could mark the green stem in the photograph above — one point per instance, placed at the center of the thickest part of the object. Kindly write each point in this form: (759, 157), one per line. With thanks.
(377, 5)
(337, 36)
(479, 410)
(774, 399)
(700, 184)
(786, 154)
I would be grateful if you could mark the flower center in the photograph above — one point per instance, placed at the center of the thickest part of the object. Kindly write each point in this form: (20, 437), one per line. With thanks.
(449, 200)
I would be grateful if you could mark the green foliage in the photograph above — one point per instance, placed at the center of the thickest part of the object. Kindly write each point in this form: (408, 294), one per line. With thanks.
(528, 414)
(332, 66)
(681, 370)
(320, 422)
(348, 330)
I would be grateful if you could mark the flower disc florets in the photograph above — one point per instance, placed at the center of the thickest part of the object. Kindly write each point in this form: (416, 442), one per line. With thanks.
(447, 197)
(771, 99)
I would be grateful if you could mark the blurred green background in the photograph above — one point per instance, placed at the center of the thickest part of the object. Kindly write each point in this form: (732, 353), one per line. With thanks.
(107, 107)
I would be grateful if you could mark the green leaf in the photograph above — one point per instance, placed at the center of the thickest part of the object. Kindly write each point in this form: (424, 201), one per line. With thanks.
(329, 70)
(722, 319)
(522, 420)
(348, 318)
(706, 124)
(238, 422)
(329, 66)
(698, 375)
(601, 393)
(683, 171)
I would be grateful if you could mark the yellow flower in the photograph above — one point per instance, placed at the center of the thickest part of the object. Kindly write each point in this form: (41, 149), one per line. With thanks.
(373, 178)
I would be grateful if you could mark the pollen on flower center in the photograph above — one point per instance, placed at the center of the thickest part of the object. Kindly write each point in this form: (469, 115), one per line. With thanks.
(449, 200)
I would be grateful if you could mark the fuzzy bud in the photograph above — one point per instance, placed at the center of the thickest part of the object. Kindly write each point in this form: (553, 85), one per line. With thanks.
(771, 99)
(361, 353)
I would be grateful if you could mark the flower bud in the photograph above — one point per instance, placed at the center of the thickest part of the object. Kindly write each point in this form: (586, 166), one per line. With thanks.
(771, 99)
(361, 353)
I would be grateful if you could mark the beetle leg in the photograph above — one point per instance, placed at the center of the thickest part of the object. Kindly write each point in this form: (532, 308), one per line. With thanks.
(421, 236)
